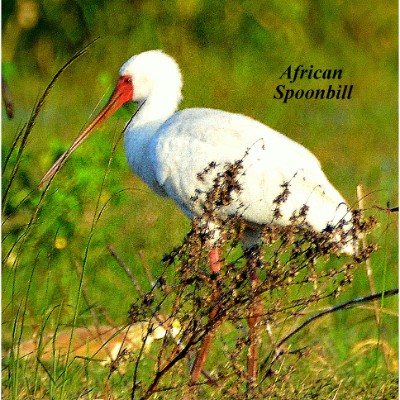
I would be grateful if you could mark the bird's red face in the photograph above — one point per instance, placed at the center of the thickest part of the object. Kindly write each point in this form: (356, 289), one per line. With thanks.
(123, 93)
(124, 89)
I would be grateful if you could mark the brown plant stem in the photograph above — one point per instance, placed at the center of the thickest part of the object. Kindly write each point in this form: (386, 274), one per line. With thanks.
(342, 306)
(255, 311)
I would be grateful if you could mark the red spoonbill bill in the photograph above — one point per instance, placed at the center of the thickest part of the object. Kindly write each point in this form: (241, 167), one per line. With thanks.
(167, 149)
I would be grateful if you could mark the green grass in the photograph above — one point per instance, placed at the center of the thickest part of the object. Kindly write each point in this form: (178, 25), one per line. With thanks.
(95, 201)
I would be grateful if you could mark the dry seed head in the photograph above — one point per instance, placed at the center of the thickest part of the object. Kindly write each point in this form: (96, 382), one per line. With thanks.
(288, 259)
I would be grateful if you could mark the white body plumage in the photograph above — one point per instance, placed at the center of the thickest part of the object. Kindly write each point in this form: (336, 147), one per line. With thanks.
(168, 149)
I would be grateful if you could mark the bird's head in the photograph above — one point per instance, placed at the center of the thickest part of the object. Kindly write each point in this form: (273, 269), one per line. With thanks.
(149, 72)
(146, 75)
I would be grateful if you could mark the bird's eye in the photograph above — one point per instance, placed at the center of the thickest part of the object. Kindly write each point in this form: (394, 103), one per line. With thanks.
(128, 80)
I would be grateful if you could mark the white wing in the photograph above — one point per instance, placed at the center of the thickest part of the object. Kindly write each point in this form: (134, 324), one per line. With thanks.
(193, 138)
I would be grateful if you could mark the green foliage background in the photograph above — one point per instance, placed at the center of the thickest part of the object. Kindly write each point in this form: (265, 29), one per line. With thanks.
(232, 54)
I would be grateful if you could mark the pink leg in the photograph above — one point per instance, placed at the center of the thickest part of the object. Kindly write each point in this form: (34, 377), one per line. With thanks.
(215, 262)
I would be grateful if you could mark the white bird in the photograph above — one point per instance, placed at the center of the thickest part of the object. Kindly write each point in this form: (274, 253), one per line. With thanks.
(168, 149)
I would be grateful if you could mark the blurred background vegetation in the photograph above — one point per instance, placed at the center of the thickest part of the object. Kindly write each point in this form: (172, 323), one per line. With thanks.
(232, 54)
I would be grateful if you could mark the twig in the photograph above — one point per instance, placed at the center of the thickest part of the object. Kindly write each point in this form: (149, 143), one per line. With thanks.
(146, 267)
(370, 276)
(368, 267)
(180, 346)
(387, 210)
(345, 305)
(127, 270)
(159, 374)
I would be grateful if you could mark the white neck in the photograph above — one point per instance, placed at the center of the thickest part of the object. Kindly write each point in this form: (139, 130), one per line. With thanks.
(157, 108)
(151, 114)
